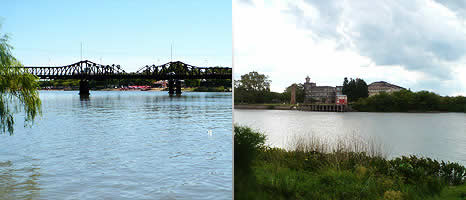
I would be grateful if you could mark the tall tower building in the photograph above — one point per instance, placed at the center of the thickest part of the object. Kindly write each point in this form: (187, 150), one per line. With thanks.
(307, 90)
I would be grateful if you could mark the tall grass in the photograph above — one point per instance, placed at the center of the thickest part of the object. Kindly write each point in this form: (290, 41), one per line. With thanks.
(342, 144)
(348, 167)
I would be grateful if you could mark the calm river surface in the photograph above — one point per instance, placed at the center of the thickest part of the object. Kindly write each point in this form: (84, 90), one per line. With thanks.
(436, 135)
(121, 145)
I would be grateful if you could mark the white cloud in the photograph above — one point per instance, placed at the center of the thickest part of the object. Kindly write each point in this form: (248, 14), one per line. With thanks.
(417, 45)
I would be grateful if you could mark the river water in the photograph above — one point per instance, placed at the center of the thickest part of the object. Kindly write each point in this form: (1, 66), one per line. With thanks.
(121, 145)
(437, 135)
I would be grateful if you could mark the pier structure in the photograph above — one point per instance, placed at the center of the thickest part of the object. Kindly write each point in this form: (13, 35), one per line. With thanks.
(323, 107)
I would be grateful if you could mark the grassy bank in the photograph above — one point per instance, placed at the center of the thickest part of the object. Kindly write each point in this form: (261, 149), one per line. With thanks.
(349, 169)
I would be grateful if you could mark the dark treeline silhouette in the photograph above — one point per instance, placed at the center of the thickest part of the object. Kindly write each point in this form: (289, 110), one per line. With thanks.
(407, 101)
(355, 89)
(94, 84)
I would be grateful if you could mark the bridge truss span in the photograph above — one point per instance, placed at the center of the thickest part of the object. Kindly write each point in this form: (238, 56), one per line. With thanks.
(92, 71)
(172, 71)
(80, 70)
(179, 70)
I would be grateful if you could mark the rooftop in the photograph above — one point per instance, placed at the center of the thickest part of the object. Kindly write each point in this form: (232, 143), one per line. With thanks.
(383, 83)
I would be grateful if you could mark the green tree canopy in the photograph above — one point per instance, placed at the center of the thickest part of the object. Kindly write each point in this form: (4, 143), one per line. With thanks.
(286, 95)
(405, 101)
(254, 82)
(18, 90)
(254, 88)
(355, 89)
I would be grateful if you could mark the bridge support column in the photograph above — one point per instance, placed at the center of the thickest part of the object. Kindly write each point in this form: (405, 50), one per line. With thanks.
(171, 87)
(178, 87)
(84, 88)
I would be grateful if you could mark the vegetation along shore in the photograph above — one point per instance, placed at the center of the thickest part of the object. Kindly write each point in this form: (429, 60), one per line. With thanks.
(193, 85)
(350, 169)
(252, 91)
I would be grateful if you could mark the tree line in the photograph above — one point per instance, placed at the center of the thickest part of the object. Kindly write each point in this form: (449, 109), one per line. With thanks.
(408, 101)
(124, 82)
(254, 88)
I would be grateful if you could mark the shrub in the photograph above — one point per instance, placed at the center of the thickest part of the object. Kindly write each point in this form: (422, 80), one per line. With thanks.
(247, 145)
(393, 195)
(414, 169)
(453, 173)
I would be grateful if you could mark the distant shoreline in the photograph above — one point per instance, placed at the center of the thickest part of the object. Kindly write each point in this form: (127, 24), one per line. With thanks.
(293, 107)
(117, 89)
(264, 106)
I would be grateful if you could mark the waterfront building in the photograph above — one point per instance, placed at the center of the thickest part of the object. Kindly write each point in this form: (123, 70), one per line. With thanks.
(330, 94)
(382, 86)
(320, 94)
(341, 99)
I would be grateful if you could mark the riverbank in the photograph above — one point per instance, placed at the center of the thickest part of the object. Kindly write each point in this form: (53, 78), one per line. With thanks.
(318, 108)
(149, 90)
(313, 169)
(350, 108)
(266, 106)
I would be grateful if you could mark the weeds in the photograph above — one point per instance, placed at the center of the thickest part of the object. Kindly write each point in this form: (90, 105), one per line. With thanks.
(350, 168)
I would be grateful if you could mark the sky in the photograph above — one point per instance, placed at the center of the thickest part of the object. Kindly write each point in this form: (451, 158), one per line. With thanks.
(129, 33)
(416, 44)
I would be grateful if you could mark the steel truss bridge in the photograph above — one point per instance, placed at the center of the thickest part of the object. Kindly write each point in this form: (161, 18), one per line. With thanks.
(172, 71)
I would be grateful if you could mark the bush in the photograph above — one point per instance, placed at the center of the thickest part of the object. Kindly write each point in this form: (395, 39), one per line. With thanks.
(393, 195)
(247, 145)
(415, 170)
(453, 173)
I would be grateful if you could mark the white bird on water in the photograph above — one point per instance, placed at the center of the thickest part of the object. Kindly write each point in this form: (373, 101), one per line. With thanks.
(209, 132)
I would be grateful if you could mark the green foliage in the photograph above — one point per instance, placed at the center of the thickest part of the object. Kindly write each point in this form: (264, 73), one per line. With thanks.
(18, 90)
(226, 83)
(253, 82)
(405, 100)
(414, 170)
(451, 193)
(286, 95)
(247, 145)
(315, 174)
(210, 89)
(59, 83)
(253, 88)
(355, 89)
(192, 82)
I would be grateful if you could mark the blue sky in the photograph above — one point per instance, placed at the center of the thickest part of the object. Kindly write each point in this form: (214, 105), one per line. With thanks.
(129, 33)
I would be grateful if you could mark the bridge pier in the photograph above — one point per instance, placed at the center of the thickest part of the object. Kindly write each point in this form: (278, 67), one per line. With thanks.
(178, 87)
(171, 87)
(84, 88)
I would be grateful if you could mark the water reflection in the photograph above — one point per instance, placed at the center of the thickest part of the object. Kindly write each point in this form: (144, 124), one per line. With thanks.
(19, 182)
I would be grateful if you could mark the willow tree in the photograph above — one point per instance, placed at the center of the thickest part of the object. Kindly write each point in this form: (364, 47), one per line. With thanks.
(18, 90)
